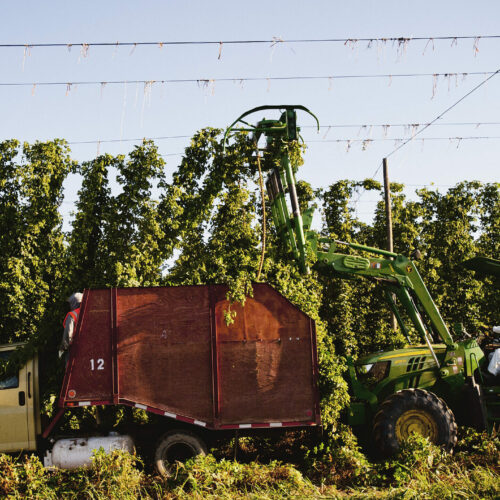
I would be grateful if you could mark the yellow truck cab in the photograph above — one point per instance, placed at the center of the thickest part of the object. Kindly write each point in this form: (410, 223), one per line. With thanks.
(20, 421)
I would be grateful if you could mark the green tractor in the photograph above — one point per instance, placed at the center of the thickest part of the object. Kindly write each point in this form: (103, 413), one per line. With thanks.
(421, 388)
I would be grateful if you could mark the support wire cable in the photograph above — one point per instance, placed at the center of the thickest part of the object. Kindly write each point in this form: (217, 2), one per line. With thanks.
(208, 81)
(449, 108)
(273, 41)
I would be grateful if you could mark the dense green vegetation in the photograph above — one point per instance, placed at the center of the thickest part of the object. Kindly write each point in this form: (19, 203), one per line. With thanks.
(420, 470)
(134, 227)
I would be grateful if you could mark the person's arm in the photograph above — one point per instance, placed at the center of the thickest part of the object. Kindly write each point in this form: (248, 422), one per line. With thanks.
(67, 335)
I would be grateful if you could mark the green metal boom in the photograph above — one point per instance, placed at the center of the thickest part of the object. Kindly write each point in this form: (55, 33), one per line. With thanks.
(396, 273)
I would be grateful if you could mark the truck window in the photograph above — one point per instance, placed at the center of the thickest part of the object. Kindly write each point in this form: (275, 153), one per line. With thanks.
(9, 382)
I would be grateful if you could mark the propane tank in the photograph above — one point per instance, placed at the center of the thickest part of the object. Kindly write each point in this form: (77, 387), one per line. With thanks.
(77, 452)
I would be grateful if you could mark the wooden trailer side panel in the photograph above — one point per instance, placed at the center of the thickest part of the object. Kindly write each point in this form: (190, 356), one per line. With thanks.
(169, 350)
(264, 360)
(164, 353)
(89, 373)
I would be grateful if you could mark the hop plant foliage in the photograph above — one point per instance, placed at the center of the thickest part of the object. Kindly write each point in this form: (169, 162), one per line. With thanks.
(133, 227)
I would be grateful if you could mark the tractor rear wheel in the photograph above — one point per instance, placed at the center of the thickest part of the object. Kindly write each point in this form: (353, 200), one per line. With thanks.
(177, 446)
(413, 411)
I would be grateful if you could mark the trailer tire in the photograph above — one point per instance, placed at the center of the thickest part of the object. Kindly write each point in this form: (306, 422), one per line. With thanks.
(413, 411)
(176, 446)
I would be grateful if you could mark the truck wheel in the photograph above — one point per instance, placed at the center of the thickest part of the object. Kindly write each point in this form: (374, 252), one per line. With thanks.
(177, 446)
(413, 411)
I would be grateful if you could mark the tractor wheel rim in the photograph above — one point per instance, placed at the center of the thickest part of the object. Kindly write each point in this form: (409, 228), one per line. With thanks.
(418, 422)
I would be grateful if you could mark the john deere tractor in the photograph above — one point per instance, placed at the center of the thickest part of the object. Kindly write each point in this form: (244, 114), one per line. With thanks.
(421, 388)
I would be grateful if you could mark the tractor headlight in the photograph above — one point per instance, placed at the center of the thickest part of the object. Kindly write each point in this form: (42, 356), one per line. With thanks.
(371, 374)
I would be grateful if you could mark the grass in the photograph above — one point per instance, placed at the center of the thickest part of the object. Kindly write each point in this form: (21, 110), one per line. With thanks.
(335, 469)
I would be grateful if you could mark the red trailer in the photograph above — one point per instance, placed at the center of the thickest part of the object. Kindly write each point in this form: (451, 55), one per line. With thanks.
(169, 350)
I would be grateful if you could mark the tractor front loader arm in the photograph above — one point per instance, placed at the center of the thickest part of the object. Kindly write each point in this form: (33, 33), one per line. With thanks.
(396, 273)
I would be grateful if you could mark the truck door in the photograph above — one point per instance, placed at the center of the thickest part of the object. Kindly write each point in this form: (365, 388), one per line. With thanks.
(13, 410)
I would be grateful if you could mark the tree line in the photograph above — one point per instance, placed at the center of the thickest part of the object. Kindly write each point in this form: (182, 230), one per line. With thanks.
(132, 226)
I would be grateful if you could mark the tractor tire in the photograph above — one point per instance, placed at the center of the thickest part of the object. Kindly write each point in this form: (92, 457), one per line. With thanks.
(413, 411)
(176, 446)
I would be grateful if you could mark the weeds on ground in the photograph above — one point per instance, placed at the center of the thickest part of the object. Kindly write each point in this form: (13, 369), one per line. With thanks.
(205, 477)
(419, 470)
(114, 476)
(338, 460)
(336, 468)
(423, 470)
(24, 478)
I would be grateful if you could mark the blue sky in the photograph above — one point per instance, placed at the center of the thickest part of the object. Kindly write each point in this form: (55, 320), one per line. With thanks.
(101, 112)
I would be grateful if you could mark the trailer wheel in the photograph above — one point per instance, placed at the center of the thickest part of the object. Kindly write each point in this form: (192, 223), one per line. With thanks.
(413, 411)
(177, 446)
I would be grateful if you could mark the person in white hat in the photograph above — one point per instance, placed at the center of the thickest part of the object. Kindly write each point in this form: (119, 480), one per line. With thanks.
(494, 358)
(70, 321)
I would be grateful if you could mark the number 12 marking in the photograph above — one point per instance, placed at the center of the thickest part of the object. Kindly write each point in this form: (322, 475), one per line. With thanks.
(100, 364)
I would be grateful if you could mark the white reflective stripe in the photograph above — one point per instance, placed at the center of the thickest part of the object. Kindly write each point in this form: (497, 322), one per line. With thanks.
(142, 407)
(199, 422)
(171, 415)
(275, 424)
(245, 426)
(84, 403)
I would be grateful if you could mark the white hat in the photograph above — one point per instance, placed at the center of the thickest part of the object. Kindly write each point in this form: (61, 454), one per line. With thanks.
(75, 300)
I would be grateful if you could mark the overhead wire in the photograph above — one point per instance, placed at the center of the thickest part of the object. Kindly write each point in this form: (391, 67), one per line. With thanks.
(208, 81)
(405, 125)
(369, 125)
(438, 117)
(448, 109)
(102, 141)
(401, 139)
(273, 41)
(315, 141)
(276, 40)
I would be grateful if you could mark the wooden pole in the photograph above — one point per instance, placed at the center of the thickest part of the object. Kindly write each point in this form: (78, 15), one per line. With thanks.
(388, 219)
